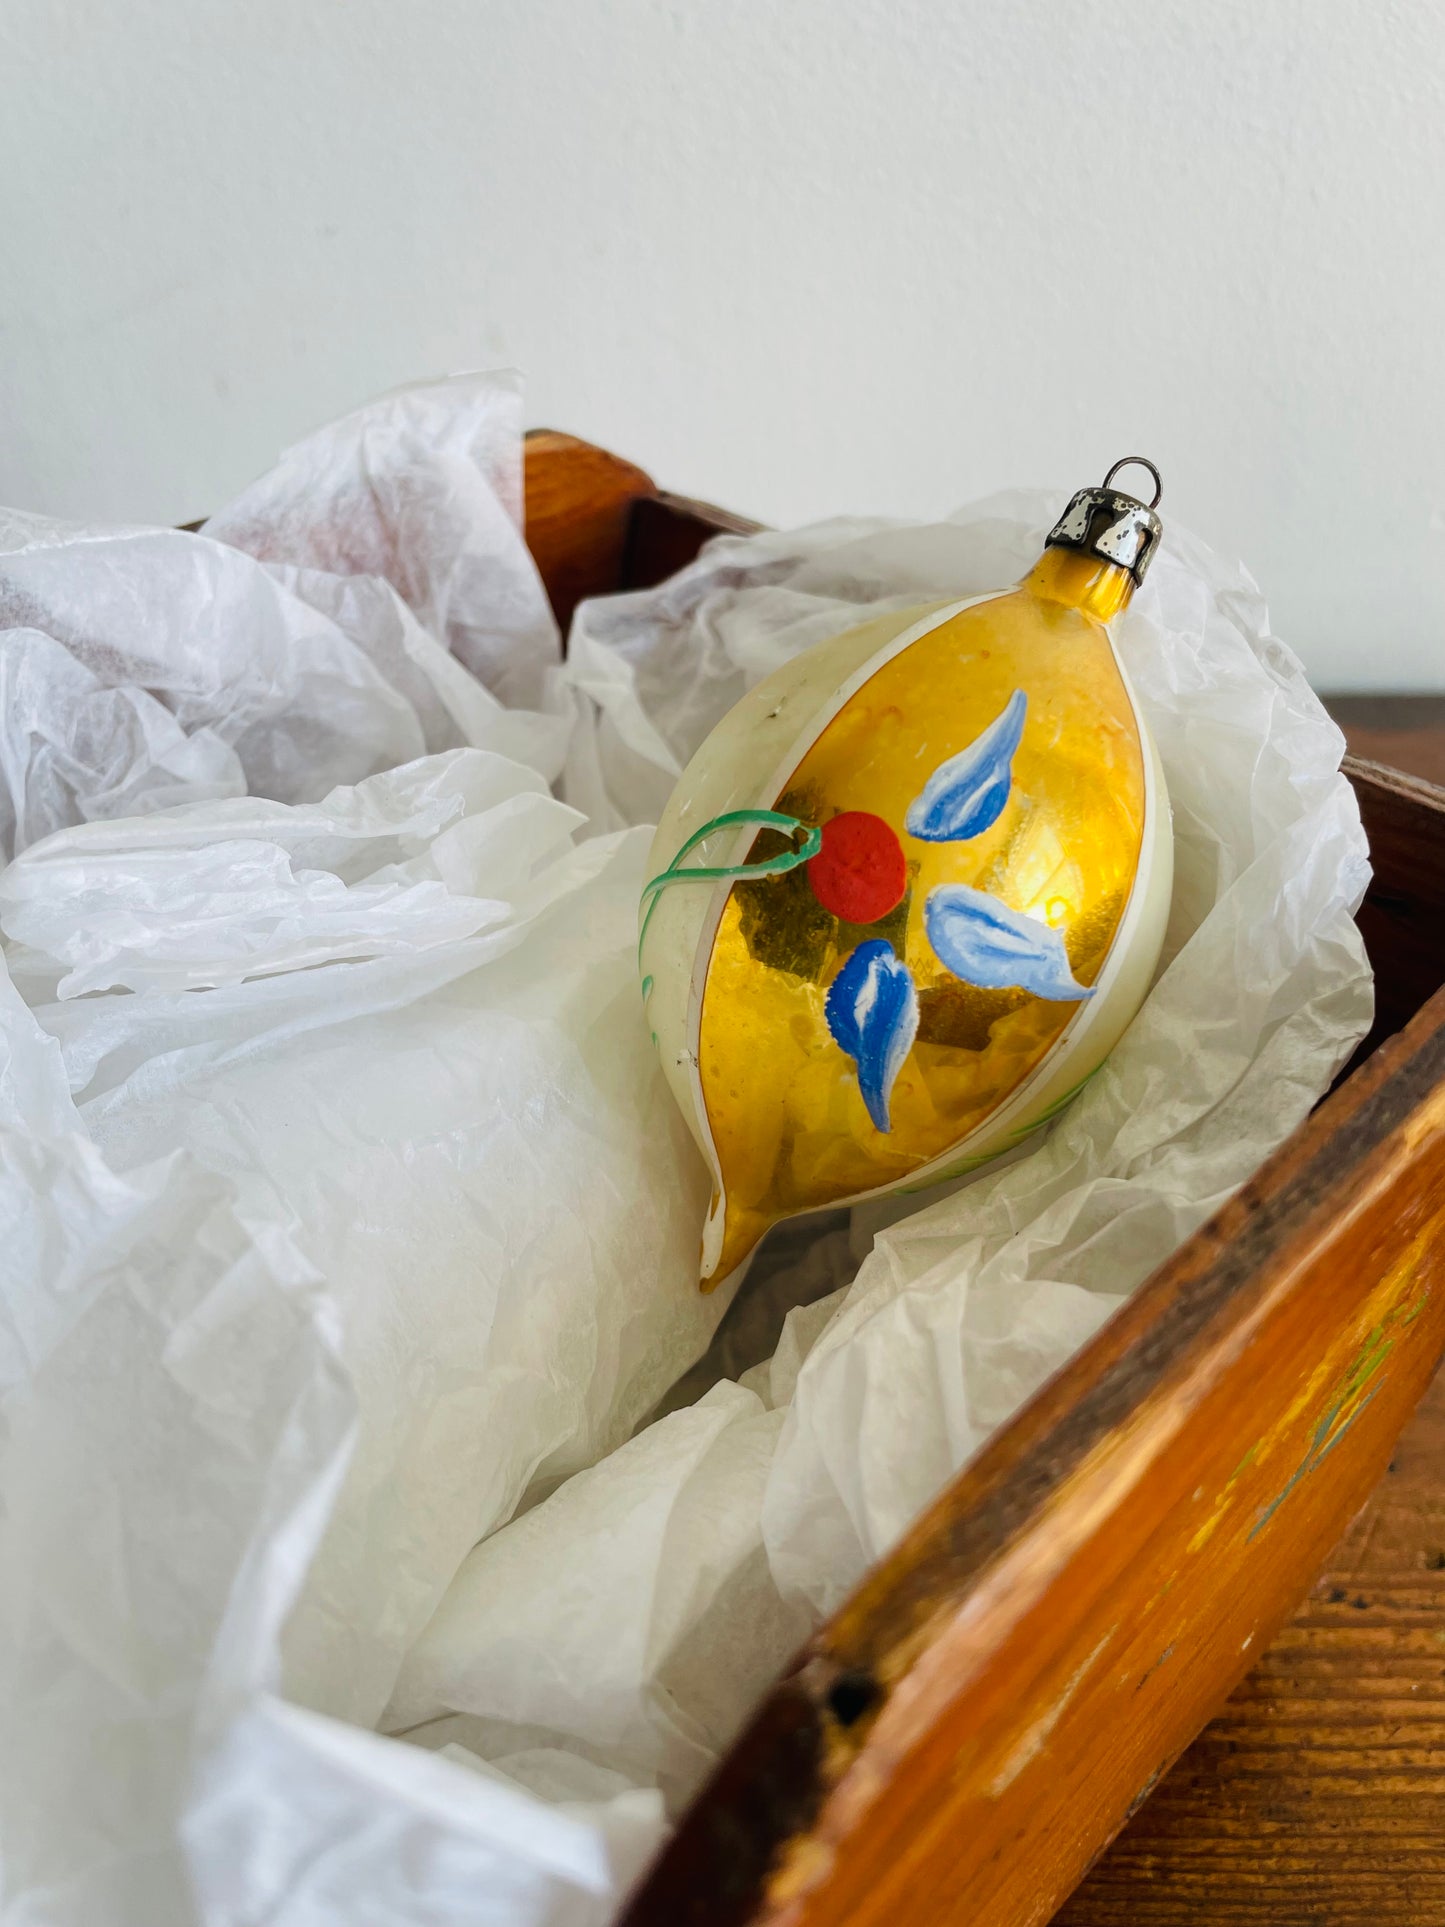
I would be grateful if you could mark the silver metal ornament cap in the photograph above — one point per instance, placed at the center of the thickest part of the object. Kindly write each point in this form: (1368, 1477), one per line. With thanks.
(1117, 527)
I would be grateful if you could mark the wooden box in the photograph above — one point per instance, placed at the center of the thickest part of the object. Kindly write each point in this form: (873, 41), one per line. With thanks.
(961, 1740)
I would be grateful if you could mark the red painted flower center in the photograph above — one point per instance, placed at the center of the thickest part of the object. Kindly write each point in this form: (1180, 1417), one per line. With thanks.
(860, 873)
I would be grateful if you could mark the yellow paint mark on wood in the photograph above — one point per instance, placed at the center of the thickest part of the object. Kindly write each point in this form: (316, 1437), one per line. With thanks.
(1384, 1318)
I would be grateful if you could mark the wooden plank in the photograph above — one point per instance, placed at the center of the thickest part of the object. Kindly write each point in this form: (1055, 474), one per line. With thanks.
(579, 502)
(1403, 918)
(667, 532)
(1318, 1796)
(1403, 732)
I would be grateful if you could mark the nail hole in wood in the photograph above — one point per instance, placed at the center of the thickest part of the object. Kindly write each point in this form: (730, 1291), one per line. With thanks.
(853, 1694)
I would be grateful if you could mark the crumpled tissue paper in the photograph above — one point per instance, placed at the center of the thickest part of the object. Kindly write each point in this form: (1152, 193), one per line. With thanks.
(350, 1234)
(781, 1488)
(290, 652)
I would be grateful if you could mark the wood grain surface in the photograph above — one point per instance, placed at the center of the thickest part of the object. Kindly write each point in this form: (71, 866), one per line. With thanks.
(1407, 732)
(579, 504)
(1403, 917)
(1317, 1798)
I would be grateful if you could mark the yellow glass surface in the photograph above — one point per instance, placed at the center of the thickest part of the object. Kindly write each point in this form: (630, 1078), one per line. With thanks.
(784, 1106)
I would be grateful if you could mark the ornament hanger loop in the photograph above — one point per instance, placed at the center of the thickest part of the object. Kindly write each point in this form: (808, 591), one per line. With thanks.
(1138, 461)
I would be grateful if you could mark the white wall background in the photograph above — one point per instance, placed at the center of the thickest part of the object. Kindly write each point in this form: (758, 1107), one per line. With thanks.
(801, 256)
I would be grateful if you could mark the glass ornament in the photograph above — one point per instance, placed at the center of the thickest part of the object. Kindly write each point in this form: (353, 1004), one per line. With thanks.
(911, 889)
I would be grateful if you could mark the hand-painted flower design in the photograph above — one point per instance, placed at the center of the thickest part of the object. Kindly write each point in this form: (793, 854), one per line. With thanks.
(858, 872)
(872, 1011)
(872, 1005)
(985, 943)
(966, 795)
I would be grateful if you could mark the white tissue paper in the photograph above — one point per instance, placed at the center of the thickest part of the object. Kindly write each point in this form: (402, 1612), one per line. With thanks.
(350, 1234)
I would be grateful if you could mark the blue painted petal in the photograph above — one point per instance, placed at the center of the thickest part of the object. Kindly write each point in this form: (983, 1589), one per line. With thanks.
(984, 942)
(872, 1011)
(966, 795)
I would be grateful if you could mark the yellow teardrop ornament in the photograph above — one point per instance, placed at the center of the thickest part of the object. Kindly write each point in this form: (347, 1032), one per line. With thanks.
(910, 891)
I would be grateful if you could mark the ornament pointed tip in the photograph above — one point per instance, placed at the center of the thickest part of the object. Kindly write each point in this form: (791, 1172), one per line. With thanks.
(729, 1239)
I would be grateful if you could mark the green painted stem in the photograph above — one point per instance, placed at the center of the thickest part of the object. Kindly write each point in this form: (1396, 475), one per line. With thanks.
(770, 866)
